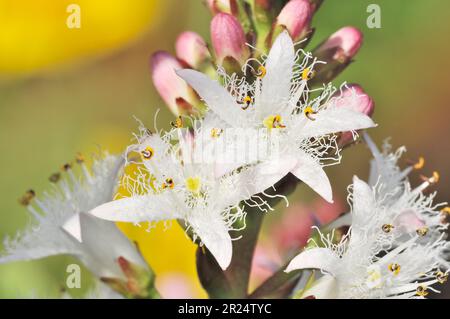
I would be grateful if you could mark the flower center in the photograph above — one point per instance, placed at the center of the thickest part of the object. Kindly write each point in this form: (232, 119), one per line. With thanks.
(374, 277)
(193, 184)
(273, 121)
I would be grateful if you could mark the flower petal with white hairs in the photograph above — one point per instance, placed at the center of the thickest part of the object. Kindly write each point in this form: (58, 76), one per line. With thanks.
(395, 247)
(168, 185)
(62, 226)
(276, 98)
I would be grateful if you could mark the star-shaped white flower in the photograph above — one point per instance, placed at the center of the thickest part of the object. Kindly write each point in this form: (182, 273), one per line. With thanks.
(62, 226)
(279, 100)
(169, 185)
(396, 245)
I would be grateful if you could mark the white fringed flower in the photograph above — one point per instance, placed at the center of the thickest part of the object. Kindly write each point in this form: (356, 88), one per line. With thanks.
(169, 184)
(396, 245)
(279, 100)
(61, 225)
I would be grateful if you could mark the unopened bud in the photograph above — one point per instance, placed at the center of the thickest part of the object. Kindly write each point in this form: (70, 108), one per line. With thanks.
(341, 45)
(228, 39)
(296, 17)
(222, 6)
(191, 49)
(169, 85)
(355, 98)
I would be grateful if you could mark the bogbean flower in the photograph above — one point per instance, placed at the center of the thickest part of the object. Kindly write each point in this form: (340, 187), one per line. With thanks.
(279, 100)
(170, 184)
(61, 224)
(396, 245)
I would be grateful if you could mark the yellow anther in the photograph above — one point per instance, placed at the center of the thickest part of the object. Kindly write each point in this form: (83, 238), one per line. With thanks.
(246, 102)
(435, 177)
(215, 132)
(79, 158)
(441, 277)
(147, 153)
(261, 72)
(308, 74)
(54, 178)
(422, 231)
(395, 268)
(422, 291)
(178, 123)
(193, 184)
(308, 111)
(26, 199)
(273, 121)
(374, 279)
(387, 228)
(445, 210)
(168, 183)
(420, 163)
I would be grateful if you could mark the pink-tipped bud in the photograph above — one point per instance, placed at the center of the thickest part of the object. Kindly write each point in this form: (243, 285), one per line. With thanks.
(345, 43)
(222, 6)
(228, 39)
(191, 48)
(172, 89)
(355, 98)
(296, 18)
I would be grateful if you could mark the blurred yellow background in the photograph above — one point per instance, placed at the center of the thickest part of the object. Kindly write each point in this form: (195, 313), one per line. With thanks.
(66, 90)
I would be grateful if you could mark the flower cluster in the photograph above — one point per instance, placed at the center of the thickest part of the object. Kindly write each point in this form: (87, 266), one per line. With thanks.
(395, 247)
(254, 114)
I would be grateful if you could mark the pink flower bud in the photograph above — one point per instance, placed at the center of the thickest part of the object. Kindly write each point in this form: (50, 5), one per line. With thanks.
(228, 38)
(169, 85)
(224, 6)
(191, 48)
(346, 43)
(355, 98)
(296, 17)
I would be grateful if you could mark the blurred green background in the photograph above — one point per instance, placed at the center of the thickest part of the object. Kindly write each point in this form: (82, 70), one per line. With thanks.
(63, 91)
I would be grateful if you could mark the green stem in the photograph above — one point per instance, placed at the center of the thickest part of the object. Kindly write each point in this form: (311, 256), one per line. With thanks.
(234, 282)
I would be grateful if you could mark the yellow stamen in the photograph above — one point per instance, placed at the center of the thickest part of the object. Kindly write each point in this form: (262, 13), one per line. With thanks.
(421, 291)
(147, 153)
(79, 158)
(420, 163)
(441, 277)
(435, 177)
(387, 228)
(308, 74)
(193, 184)
(246, 101)
(54, 178)
(308, 111)
(395, 268)
(26, 199)
(168, 183)
(445, 210)
(215, 132)
(273, 121)
(261, 72)
(422, 231)
(178, 123)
